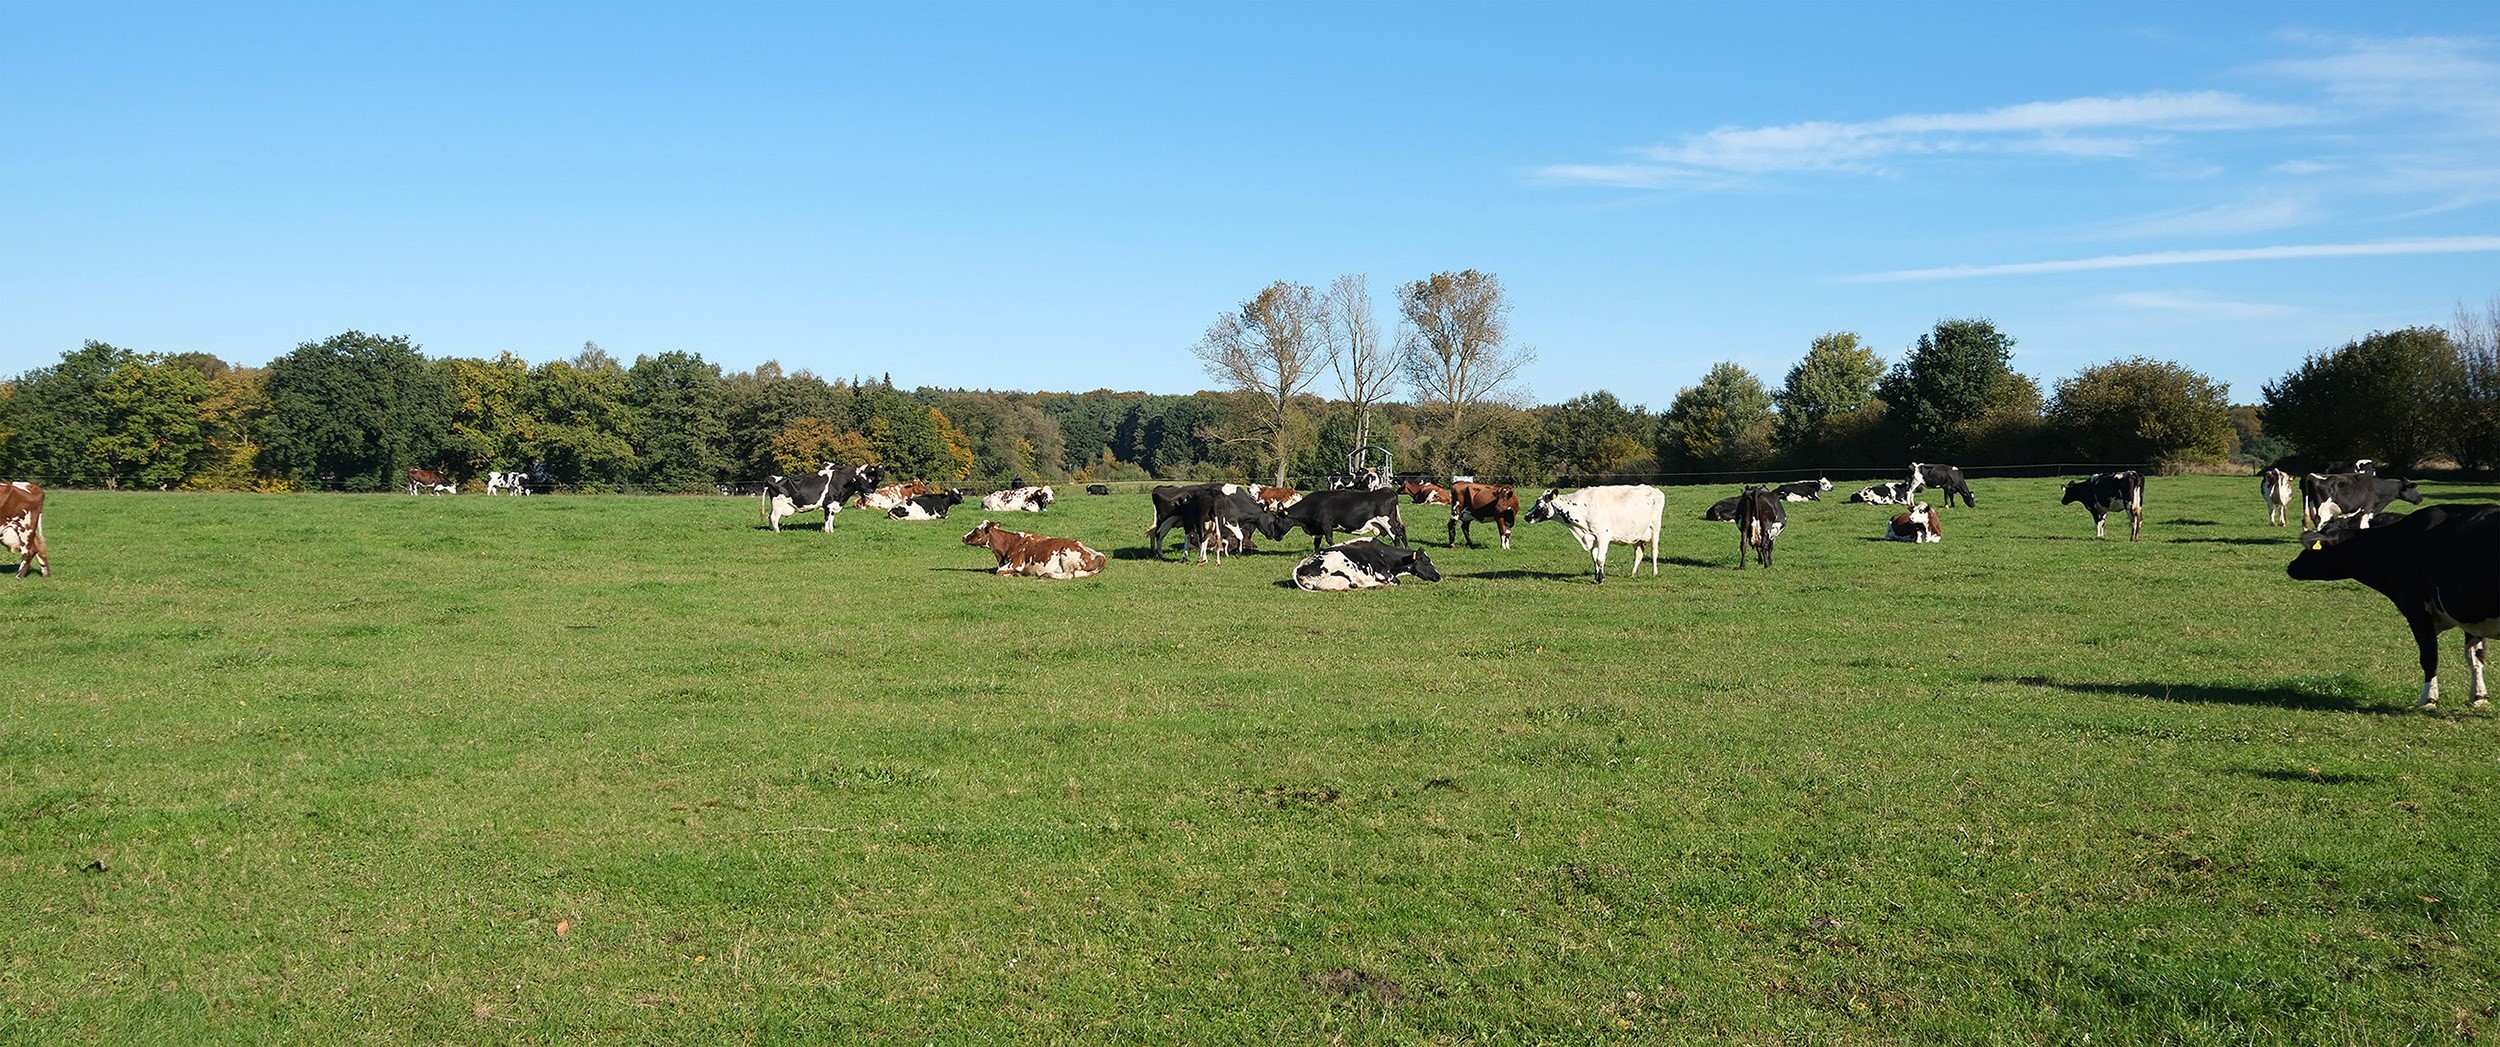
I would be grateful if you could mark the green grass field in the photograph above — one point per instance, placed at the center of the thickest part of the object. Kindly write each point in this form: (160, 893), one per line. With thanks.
(314, 768)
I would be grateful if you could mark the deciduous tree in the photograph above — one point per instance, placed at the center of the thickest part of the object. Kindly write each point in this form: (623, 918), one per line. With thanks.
(2382, 397)
(2142, 410)
(1268, 350)
(1837, 377)
(1455, 351)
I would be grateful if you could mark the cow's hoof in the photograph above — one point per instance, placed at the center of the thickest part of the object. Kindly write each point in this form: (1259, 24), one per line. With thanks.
(2482, 701)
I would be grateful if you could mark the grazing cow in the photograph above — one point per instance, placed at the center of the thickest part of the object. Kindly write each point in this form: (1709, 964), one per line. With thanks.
(1361, 564)
(927, 506)
(1324, 513)
(887, 497)
(2325, 496)
(2440, 566)
(825, 489)
(1019, 499)
(1599, 517)
(1167, 503)
(2277, 487)
(21, 526)
(504, 483)
(1274, 498)
(1425, 493)
(1921, 524)
(1036, 556)
(1804, 490)
(1759, 520)
(1220, 520)
(1471, 501)
(1723, 510)
(2106, 493)
(421, 480)
(1097, 488)
(1945, 478)
(1894, 493)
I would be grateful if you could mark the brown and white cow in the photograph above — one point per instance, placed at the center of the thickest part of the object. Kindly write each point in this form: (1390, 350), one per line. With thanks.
(1424, 493)
(1036, 556)
(1470, 502)
(1921, 524)
(1275, 499)
(891, 495)
(420, 480)
(21, 526)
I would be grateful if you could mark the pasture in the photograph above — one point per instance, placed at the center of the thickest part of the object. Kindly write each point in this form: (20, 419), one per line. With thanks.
(392, 769)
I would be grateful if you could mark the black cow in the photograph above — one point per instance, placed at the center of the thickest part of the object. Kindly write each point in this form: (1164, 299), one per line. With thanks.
(1804, 490)
(1220, 519)
(1097, 489)
(825, 489)
(1362, 564)
(2325, 496)
(1723, 510)
(2357, 465)
(2106, 493)
(2440, 566)
(1945, 478)
(927, 506)
(1168, 499)
(1324, 513)
(1760, 517)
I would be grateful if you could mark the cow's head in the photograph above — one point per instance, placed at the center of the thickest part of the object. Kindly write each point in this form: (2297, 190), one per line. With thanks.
(1823, 483)
(1544, 506)
(2405, 490)
(1272, 524)
(867, 477)
(1419, 565)
(2332, 552)
(2076, 490)
(954, 495)
(981, 535)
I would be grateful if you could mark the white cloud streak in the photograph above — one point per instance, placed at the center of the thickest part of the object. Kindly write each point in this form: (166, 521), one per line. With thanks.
(2436, 245)
(2203, 305)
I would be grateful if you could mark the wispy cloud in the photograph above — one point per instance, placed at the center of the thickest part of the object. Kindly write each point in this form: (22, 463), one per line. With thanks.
(2200, 304)
(2437, 245)
(2261, 212)
(2089, 127)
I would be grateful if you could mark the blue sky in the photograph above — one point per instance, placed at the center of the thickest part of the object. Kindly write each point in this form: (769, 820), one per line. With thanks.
(1063, 196)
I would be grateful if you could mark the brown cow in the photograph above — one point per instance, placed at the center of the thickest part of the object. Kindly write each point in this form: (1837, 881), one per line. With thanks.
(891, 495)
(1424, 493)
(1275, 498)
(1470, 502)
(438, 481)
(21, 526)
(1034, 555)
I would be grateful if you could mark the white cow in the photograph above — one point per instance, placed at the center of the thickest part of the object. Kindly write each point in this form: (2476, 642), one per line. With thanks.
(2278, 488)
(1019, 499)
(504, 483)
(1625, 514)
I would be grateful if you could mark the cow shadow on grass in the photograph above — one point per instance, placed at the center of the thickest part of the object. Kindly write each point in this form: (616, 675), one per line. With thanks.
(2284, 541)
(2466, 496)
(2272, 774)
(1517, 573)
(2269, 696)
(2185, 522)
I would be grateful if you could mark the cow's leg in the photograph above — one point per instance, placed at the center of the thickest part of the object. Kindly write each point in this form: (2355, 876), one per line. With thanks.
(1453, 527)
(2135, 523)
(2473, 660)
(2100, 520)
(1599, 554)
(2426, 637)
(1397, 529)
(829, 511)
(1503, 526)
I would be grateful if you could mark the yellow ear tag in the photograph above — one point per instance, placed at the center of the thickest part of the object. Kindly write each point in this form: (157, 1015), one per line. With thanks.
(2317, 545)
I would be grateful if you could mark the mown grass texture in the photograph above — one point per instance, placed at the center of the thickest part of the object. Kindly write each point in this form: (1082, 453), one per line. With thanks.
(389, 769)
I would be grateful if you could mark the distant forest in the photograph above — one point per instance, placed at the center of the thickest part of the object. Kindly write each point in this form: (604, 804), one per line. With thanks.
(353, 412)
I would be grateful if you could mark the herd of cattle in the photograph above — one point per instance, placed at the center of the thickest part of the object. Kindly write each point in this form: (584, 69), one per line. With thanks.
(2439, 565)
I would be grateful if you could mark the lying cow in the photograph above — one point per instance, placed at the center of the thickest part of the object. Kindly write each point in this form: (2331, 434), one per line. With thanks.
(2325, 496)
(1760, 517)
(1471, 501)
(1424, 493)
(1036, 556)
(21, 526)
(1097, 488)
(1945, 478)
(884, 499)
(2277, 488)
(1723, 510)
(1019, 499)
(2440, 566)
(1600, 517)
(927, 506)
(1361, 564)
(824, 489)
(437, 481)
(1324, 513)
(2106, 493)
(1921, 525)
(1894, 493)
(1803, 490)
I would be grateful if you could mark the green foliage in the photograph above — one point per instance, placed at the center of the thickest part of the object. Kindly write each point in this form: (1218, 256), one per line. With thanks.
(578, 422)
(1837, 377)
(2142, 410)
(1588, 438)
(2382, 397)
(683, 415)
(488, 420)
(1724, 423)
(58, 417)
(154, 416)
(1943, 392)
(355, 410)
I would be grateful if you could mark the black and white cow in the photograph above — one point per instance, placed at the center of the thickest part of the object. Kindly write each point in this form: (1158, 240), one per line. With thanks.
(1723, 510)
(824, 489)
(2357, 465)
(1361, 564)
(1221, 519)
(1944, 478)
(1759, 520)
(505, 483)
(2106, 493)
(2325, 496)
(1803, 490)
(1894, 493)
(1324, 513)
(2440, 566)
(927, 506)
(1167, 502)
(1019, 499)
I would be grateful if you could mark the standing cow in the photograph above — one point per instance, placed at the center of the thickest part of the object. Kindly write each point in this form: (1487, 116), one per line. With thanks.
(422, 480)
(21, 526)
(2440, 566)
(1945, 478)
(825, 489)
(2106, 493)
(1324, 513)
(2278, 488)
(1471, 501)
(1759, 520)
(1599, 517)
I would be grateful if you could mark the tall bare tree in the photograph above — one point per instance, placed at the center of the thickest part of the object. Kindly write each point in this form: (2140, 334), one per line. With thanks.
(1453, 348)
(1270, 350)
(2474, 420)
(1367, 372)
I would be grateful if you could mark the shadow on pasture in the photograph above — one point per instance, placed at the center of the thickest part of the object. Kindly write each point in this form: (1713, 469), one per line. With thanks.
(2465, 496)
(968, 570)
(2275, 774)
(1514, 573)
(1688, 561)
(2278, 540)
(2279, 696)
(2185, 522)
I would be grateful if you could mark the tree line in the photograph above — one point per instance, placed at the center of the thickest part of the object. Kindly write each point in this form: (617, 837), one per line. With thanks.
(1442, 393)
